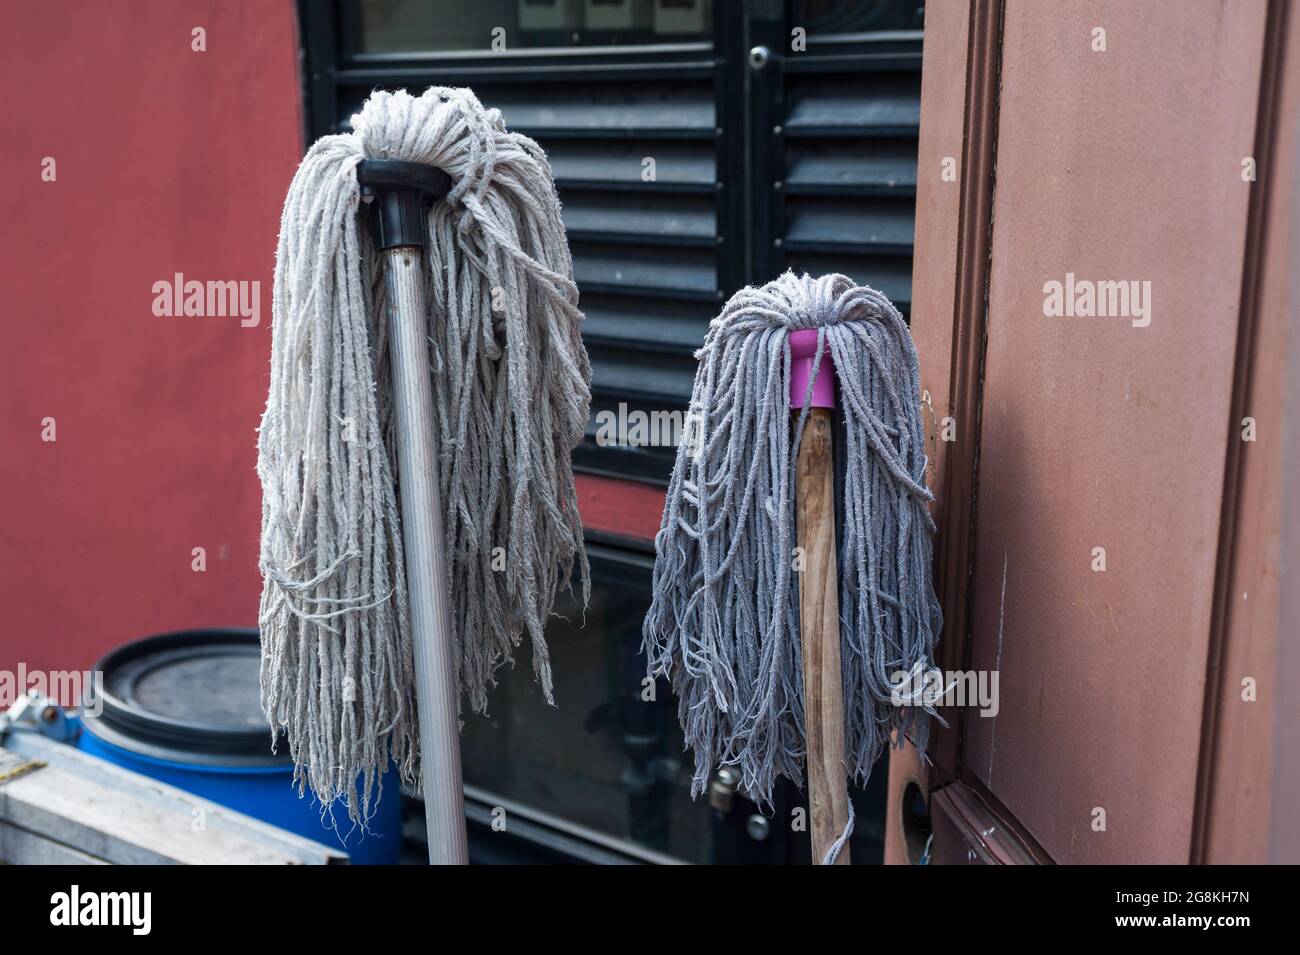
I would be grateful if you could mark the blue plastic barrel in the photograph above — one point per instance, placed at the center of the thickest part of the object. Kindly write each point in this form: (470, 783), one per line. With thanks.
(183, 708)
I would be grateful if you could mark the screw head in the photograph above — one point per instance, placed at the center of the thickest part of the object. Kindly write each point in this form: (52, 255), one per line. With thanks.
(758, 827)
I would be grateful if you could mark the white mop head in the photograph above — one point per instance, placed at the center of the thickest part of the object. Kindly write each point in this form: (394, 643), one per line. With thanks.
(511, 385)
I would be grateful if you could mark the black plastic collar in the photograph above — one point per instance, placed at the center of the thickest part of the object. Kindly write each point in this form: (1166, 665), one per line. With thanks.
(403, 191)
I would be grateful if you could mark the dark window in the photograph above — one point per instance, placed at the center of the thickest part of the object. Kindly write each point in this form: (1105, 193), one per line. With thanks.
(802, 159)
(417, 26)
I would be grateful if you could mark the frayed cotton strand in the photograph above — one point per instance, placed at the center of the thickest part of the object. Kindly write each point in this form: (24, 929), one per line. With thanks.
(511, 393)
(723, 625)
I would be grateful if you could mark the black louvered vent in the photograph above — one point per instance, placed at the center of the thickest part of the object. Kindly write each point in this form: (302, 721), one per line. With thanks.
(850, 134)
(808, 164)
(646, 254)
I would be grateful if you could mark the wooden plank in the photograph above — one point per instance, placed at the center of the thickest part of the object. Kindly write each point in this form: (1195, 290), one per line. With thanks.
(112, 813)
(957, 153)
(1245, 804)
(1103, 439)
(22, 847)
(958, 92)
(121, 827)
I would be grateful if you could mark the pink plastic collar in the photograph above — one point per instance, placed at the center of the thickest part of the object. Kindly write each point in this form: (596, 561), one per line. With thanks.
(803, 347)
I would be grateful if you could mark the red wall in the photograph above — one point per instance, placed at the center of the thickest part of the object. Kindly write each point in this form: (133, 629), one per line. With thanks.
(168, 160)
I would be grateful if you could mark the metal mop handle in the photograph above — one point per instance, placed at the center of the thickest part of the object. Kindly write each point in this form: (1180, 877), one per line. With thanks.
(404, 191)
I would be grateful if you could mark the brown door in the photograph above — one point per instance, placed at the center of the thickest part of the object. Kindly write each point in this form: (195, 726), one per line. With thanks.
(1104, 307)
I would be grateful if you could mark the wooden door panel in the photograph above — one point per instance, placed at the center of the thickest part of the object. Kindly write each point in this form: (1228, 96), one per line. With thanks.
(1122, 165)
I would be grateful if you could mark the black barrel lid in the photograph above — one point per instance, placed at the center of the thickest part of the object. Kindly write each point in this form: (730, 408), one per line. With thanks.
(189, 697)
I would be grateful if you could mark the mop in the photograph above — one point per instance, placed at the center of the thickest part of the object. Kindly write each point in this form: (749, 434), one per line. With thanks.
(773, 664)
(419, 513)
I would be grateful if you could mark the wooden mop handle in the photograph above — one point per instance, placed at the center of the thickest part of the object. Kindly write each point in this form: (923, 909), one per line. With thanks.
(819, 609)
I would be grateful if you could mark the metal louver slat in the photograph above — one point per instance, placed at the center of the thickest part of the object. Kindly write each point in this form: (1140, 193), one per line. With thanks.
(661, 378)
(868, 227)
(819, 168)
(854, 105)
(613, 321)
(669, 273)
(637, 218)
(619, 165)
(654, 107)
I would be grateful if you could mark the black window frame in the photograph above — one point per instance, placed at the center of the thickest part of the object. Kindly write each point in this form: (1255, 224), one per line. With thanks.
(753, 212)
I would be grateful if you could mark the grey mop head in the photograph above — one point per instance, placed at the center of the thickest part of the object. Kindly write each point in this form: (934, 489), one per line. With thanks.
(724, 622)
(511, 388)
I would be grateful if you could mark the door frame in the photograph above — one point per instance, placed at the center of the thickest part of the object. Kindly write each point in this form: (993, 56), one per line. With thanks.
(1248, 761)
